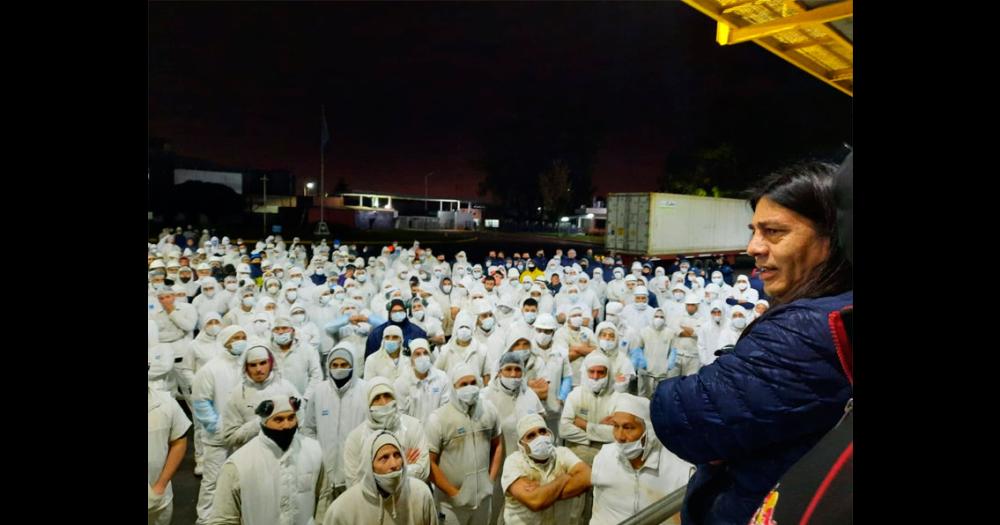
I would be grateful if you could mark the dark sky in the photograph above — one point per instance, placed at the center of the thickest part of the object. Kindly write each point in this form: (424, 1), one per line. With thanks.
(410, 87)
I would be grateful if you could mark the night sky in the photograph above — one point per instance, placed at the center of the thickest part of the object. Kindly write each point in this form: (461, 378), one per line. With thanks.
(410, 88)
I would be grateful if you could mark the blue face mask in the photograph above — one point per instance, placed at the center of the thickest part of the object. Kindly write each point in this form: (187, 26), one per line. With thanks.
(391, 347)
(397, 317)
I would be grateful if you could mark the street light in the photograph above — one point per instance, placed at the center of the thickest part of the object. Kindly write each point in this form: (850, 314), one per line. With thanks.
(309, 187)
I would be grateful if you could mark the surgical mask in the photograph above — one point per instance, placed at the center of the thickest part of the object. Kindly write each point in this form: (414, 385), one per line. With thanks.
(608, 345)
(446, 288)
(397, 317)
(717, 280)
(283, 339)
(172, 276)
(468, 394)
(238, 347)
(679, 296)
(422, 364)
(543, 339)
(620, 387)
(477, 274)
(209, 293)
(529, 317)
(360, 277)
(341, 373)
(292, 296)
(340, 296)
(658, 322)
(512, 384)
(641, 306)
(541, 448)
(488, 323)
(260, 327)
(283, 438)
(385, 414)
(419, 315)
(231, 287)
(272, 290)
(631, 449)
(295, 280)
(299, 318)
(389, 482)
(213, 330)
(320, 271)
(596, 385)
(249, 302)
(717, 319)
(325, 299)
(391, 347)
(523, 355)
(576, 322)
(573, 297)
(739, 322)
(463, 333)
(526, 285)
(741, 285)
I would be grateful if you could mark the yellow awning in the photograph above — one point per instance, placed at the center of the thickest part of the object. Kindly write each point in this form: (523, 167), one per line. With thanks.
(815, 35)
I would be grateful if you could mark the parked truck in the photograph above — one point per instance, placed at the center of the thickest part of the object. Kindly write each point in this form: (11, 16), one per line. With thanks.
(669, 224)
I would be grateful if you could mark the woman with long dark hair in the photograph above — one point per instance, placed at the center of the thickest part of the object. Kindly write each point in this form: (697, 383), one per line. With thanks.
(747, 417)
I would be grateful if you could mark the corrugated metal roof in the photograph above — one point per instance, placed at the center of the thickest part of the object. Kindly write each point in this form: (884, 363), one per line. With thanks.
(815, 35)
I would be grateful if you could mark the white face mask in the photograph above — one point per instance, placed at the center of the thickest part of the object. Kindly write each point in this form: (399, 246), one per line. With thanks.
(512, 384)
(641, 306)
(607, 345)
(325, 299)
(418, 315)
(541, 448)
(631, 449)
(422, 364)
(739, 322)
(658, 322)
(238, 347)
(360, 278)
(741, 285)
(529, 317)
(340, 373)
(384, 415)
(717, 319)
(596, 385)
(463, 333)
(389, 482)
(298, 318)
(488, 324)
(209, 293)
(340, 296)
(468, 394)
(576, 322)
(273, 290)
(292, 296)
(231, 287)
(397, 317)
(543, 339)
(213, 329)
(446, 288)
(717, 280)
(283, 339)
(249, 302)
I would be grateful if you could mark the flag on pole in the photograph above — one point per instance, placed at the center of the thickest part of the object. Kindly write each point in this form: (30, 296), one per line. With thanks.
(324, 133)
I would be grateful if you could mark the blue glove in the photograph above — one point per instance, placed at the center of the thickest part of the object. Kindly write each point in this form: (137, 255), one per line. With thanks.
(731, 301)
(205, 412)
(638, 358)
(672, 359)
(565, 388)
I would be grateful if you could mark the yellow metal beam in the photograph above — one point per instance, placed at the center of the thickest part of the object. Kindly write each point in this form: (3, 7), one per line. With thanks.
(827, 13)
(807, 65)
(808, 43)
(832, 31)
(842, 74)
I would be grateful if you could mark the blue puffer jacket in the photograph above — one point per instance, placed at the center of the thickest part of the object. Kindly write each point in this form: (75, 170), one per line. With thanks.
(754, 411)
